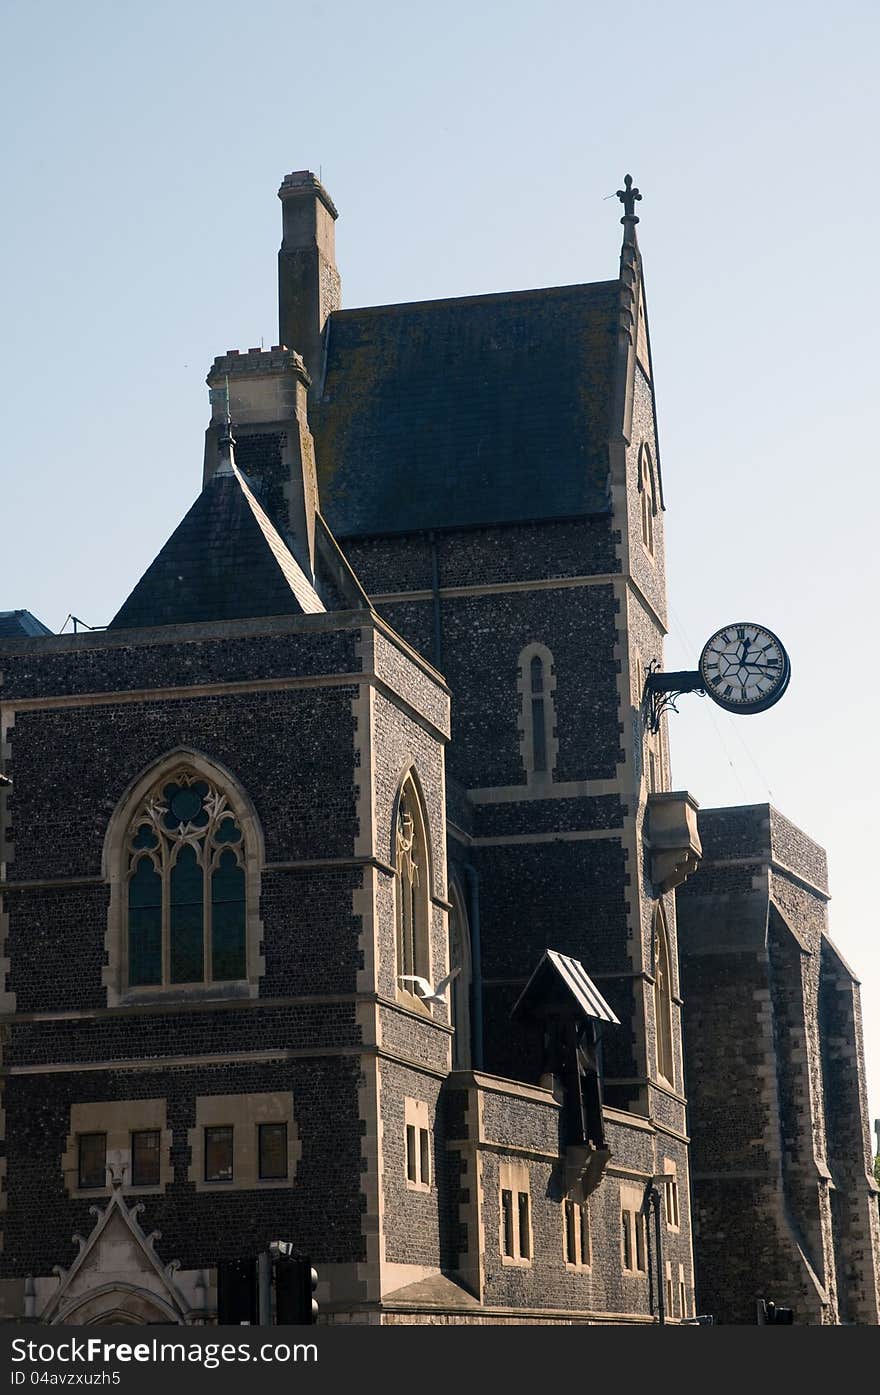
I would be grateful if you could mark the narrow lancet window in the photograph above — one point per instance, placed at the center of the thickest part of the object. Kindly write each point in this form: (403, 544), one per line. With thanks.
(539, 728)
(663, 999)
(411, 889)
(536, 682)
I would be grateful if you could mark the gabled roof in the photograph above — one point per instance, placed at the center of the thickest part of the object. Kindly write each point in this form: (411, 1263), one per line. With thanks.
(225, 561)
(18, 624)
(560, 979)
(451, 413)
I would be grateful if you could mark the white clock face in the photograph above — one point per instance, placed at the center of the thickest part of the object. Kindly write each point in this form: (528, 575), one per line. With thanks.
(745, 668)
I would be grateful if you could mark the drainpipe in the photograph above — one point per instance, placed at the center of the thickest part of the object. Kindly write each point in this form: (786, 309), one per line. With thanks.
(473, 883)
(653, 1200)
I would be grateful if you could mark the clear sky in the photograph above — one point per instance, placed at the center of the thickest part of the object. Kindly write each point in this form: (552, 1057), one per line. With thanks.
(470, 148)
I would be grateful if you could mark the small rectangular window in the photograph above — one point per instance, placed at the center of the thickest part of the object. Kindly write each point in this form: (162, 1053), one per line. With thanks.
(673, 1219)
(682, 1292)
(145, 1158)
(670, 1291)
(218, 1153)
(272, 1140)
(92, 1160)
(411, 1165)
(525, 1240)
(507, 1222)
(424, 1157)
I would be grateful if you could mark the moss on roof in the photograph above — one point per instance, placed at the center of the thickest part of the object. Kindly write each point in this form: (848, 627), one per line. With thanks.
(488, 409)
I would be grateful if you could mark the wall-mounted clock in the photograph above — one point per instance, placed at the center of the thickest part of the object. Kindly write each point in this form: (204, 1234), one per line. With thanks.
(744, 667)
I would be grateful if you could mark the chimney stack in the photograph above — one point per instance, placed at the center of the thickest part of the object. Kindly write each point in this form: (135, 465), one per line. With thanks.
(273, 443)
(308, 282)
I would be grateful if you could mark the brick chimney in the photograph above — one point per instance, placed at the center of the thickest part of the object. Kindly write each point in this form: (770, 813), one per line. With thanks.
(308, 282)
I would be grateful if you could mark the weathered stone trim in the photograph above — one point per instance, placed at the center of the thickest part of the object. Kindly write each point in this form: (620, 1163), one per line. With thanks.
(303, 1053)
(763, 865)
(489, 1315)
(202, 631)
(630, 1121)
(114, 975)
(117, 1119)
(577, 836)
(242, 686)
(537, 781)
(244, 1113)
(656, 1084)
(501, 588)
(181, 1005)
(566, 789)
(499, 1085)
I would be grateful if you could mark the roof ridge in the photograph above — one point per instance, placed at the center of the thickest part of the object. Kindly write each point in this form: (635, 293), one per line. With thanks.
(483, 298)
(293, 573)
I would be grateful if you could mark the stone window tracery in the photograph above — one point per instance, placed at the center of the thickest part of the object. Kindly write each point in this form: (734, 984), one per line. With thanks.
(186, 885)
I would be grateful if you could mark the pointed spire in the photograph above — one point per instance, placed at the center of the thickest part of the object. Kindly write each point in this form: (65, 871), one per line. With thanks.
(628, 323)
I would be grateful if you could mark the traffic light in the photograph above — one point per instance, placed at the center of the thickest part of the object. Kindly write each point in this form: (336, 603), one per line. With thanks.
(295, 1284)
(237, 1292)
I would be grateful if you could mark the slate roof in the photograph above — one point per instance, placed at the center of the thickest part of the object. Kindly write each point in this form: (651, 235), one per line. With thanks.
(487, 409)
(225, 561)
(18, 624)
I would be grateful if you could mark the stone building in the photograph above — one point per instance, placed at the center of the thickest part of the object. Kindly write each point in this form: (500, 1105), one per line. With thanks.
(783, 1190)
(373, 717)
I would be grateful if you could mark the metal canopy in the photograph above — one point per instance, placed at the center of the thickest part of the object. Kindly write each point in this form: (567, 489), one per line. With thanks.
(559, 970)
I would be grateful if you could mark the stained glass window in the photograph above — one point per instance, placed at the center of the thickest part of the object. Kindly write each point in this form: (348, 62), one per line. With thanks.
(228, 918)
(187, 898)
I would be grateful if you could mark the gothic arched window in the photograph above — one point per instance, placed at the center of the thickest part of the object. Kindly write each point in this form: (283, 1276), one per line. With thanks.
(537, 682)
(411, 885)
(663, 999)
(647, 498)
(185, 872)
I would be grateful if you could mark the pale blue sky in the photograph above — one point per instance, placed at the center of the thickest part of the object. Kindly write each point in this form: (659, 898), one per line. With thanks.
(470, 148)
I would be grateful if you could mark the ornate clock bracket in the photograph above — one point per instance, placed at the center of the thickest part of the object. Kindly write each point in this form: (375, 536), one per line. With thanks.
(662, 691)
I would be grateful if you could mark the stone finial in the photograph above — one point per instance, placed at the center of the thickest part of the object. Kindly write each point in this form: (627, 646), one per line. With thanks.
(629, 197)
